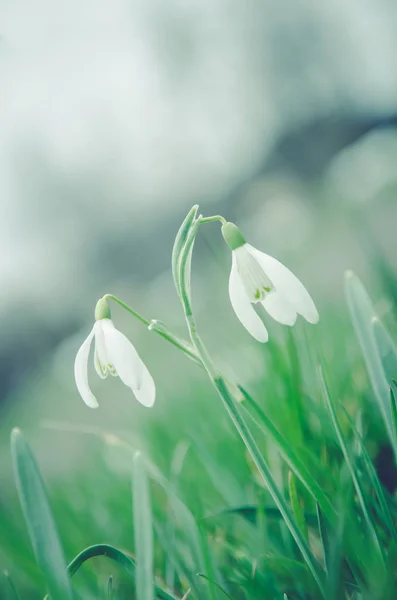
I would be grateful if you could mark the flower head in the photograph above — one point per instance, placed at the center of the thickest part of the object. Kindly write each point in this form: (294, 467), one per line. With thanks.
(113, 354)
(256, 278)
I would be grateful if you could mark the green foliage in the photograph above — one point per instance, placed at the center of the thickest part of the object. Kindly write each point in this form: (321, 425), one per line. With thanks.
(300, 513)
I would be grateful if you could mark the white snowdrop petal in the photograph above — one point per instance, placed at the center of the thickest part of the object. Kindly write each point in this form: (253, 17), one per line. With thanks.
(146, 394)
(287, 284)
(101, 369)
(279, 309)
(81, 371)
(242, 305)
(100, 346)
(122, 356)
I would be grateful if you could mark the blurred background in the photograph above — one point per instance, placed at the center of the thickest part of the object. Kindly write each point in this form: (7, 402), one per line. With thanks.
(116, 118)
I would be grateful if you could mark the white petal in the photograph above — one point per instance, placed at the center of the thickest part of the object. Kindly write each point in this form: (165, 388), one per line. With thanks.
(287, 284)
(122, 355)
(128, 364)
(146, 394)
(242, 306)
(279, 308)
(100, 368)
(80, 372)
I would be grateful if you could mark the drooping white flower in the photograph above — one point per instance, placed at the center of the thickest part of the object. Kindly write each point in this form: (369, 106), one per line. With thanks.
(113, 354)
(255, 278)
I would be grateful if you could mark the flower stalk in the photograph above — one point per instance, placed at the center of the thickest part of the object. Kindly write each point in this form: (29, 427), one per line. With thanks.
(231, 408)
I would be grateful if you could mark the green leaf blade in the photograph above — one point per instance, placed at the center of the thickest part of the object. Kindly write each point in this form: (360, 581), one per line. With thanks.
(179, 245)
(143, 529)
(40, 522)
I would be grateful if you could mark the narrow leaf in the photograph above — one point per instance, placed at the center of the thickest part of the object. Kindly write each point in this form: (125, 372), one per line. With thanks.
(40, 522)
(11, 585)
(386, 349)
(357, 485)
(110, 588)
(122, 559)
(362, 314)
(143, 530)
(213, 583)
(291, 458)
(180, 242)
(323, 536)
(296, 505)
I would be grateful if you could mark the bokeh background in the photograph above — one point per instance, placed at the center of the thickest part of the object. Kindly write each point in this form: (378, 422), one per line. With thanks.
(115, 119)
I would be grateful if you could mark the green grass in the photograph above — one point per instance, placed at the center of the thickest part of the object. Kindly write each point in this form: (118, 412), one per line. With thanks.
(191, 511)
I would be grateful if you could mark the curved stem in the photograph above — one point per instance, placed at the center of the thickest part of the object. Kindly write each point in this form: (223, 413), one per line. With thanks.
(159, 327)
(235, 416)
(213, 219)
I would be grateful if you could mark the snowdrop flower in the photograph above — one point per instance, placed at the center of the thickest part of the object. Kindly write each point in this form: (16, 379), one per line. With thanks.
(256, 278)
(113, 354)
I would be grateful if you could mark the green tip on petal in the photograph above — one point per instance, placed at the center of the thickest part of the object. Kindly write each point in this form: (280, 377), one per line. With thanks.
(232, 236)
(102, 310)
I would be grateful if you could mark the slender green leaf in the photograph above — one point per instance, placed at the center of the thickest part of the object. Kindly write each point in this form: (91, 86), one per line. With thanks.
(179, 244)
(323, 536)
(393, 404)
(123, 560)
(110, 588)
(250, 513)
(362, 315)
(215, 584)
(11, 585)
(251, 445)
(40, 522)
(293, 461)
(386, 349)
(374, 479)
(143, 530)
(296, 505)
(357, 485)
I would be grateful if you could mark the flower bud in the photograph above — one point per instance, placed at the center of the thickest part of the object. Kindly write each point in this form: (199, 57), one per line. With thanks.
(232, 236)
(102, 310)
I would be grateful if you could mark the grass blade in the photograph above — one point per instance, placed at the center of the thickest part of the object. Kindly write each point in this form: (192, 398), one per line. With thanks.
(123, 560)
(110, 588)
(359, 491)
(374, 479)
(296, 505)
(40, 522)
(250, 513)
(362, 315)
(11, 585)
(213, 583)
(179, 244)
(323, 537)
(143, 529)
(293, 461)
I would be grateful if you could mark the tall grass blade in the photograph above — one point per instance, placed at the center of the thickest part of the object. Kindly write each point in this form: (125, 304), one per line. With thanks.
(296, 505)
(40, 522)
(357, 485)
(143, 530)
(293, 461)
(323, 537)
(11, 586)
(362, 315)
(375, 483)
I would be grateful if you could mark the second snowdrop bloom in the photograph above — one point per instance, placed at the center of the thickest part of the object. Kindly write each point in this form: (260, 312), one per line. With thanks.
(255, 278)
(113, 354)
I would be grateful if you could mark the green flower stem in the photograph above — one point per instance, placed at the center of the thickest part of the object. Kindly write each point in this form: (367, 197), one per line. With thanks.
(160, 329)
(213, 219)
(234, 414)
